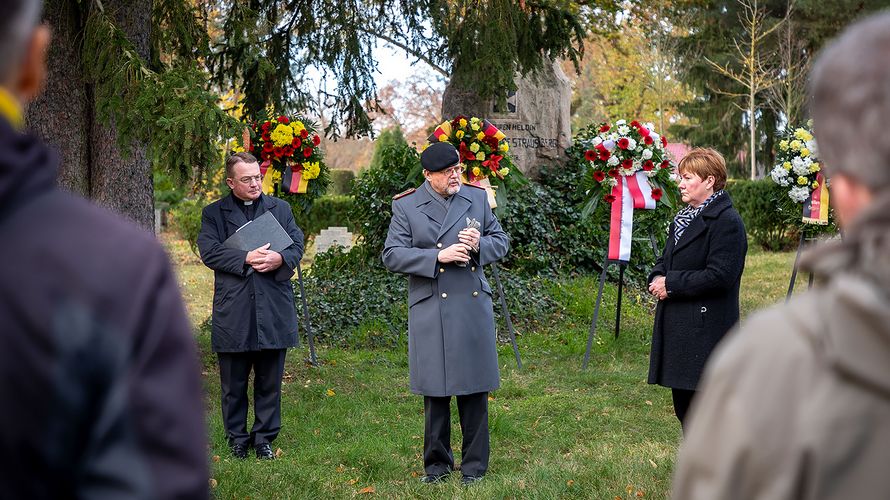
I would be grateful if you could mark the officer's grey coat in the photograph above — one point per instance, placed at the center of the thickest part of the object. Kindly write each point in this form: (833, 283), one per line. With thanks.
(244, 301)
(451, 336)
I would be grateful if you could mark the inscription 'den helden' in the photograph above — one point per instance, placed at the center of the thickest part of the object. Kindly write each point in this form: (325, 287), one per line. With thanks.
(525, 142)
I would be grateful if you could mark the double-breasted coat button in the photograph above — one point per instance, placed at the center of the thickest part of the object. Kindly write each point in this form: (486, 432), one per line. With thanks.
(475, 294)
(438, 245)
(444, 295)
(473, 269)
(441, 269)
(704, 309)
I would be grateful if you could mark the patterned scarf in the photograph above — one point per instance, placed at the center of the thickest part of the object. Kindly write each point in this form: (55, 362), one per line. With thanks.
(688, 214)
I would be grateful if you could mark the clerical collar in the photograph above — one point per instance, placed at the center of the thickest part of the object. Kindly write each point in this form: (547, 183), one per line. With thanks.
(11, 108)
(245, 203)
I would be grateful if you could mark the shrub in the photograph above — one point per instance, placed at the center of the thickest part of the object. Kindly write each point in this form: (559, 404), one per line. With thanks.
(185, 218)
(325, 212)
(758, 204)
(341, 181)
(373, 191)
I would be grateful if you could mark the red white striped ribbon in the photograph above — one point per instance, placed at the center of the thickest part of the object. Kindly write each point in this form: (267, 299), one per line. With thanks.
(633, 191)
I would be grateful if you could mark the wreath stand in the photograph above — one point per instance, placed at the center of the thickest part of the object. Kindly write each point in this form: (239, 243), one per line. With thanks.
(794, 269)
(506, 312)
(622, 264)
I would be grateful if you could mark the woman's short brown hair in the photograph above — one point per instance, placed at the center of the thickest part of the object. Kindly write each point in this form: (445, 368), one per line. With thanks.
(704, 162)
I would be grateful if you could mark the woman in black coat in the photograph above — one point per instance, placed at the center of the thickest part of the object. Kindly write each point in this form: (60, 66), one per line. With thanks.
(696, 280)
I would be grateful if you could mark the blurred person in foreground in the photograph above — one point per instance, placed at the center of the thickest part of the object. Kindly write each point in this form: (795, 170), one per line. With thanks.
(796, 403)
(696, 280)
(254, 318)
(99, 377)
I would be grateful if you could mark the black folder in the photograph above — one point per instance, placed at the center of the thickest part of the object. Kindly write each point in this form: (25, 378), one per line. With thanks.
(256, 233)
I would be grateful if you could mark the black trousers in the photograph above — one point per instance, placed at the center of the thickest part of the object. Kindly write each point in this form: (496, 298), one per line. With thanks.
(682, 399)
(234, 370)
(437, 455)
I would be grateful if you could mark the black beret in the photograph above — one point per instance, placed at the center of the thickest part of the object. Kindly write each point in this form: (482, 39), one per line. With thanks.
(439, 156)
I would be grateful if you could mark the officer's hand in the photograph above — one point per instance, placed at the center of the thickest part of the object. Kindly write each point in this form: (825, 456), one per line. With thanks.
(457, 252)
(256, 254)
(470, 237)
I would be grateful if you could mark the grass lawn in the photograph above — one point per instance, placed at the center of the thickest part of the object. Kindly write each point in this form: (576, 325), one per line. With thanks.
(351, 428)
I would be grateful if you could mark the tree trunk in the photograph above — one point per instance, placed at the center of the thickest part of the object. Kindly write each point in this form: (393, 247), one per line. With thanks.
(64, 116)
(751, 128)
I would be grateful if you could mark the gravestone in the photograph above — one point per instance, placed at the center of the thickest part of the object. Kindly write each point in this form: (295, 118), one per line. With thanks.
(333, 236)
(536, 118)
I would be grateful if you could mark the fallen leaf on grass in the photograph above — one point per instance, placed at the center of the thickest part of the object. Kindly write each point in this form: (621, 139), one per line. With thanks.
(366, 491)
(570, 483)
(649, 402)
(414, 473)
(216, 458)
(213, 483)
(490, 397)
(652, 462)
(330, 392)
(640, 494)
(341, 468)
(352, 481)
(279, 452)
(629, 489)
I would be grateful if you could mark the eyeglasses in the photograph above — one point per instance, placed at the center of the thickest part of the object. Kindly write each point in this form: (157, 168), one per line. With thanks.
(455, 170)
(247, 180)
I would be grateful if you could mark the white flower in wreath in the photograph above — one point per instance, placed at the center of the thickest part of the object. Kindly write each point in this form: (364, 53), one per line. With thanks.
(799, 166)
(647, 154)
(623, 130)
(780, 175)
(613, 136)
(631, 144)
(597, 141)
(611, 182)
(620, 122)
(811, 145)
(612, 161)
(652, 173)
(639, 148)
(799, 193)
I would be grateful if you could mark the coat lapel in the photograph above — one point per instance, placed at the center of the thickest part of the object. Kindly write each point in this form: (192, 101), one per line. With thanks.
(459, 206)
(426, 205)
(232, 213)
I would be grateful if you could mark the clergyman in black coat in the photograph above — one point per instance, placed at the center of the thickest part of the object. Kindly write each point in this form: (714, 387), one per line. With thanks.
(100, 388)
(254, 318)
(696, 279)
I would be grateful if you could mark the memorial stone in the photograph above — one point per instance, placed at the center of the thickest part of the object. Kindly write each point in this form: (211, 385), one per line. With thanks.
(333, 236)
(536, 117)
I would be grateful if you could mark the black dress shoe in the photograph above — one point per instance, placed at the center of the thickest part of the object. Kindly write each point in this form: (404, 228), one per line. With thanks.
(239, 451)
(264, 451)
(468, 480)
(435, 478)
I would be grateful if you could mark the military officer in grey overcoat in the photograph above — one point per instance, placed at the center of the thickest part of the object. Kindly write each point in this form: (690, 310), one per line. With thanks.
(451, 331)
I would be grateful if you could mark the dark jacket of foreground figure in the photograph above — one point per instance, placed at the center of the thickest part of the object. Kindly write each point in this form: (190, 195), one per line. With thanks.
(702, 272)
(99, 383)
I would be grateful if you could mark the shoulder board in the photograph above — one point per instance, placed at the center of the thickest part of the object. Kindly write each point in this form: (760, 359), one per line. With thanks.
(474, 186)
(404, 193)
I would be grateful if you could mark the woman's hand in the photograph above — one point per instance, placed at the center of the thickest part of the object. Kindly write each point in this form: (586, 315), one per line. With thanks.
(657, 288)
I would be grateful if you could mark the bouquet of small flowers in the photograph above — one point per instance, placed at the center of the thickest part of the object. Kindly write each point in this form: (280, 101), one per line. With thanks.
(623, 149)
(797, 166)
(483, 149)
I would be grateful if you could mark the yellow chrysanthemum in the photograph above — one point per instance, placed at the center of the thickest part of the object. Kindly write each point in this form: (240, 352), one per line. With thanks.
(459, 134)
(311, 170)
(802, 181)
(480, 156)
(503, 172)
(474, 147)
(787, 165)
(783, 145)
(297, 126)
(815, 167)
(504, 147)
(477, 172)
(804, 152)
(480, 136)
(283, 135)
(802, 134)
(796, 145)
(237, 148)
(463, 122)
